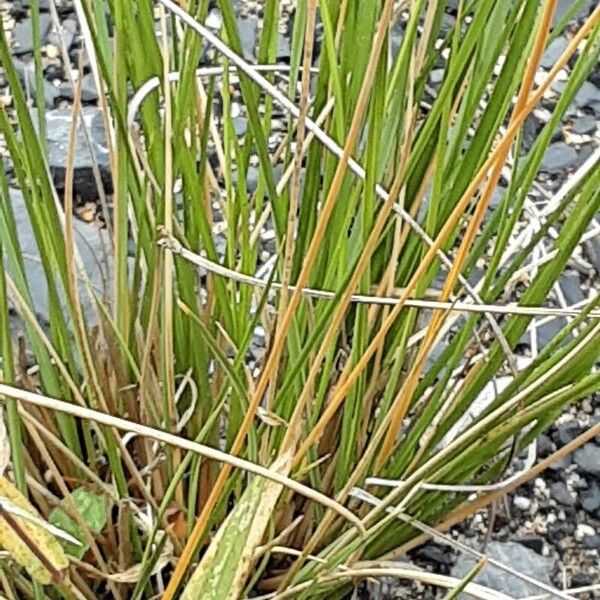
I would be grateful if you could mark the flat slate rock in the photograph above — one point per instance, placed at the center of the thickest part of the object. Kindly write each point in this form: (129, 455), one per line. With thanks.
(23, 34)
(26, 73)
(588, 96)
(585, 124)
(511, 554)
(558, 157)
(58, 127)
(554, 51)
(94, 249)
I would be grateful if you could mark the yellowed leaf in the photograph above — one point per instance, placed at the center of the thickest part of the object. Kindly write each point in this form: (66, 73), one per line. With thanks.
(227, 564)
(27, 543)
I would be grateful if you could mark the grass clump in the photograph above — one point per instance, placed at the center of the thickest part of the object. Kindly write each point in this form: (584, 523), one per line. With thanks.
(378, 188)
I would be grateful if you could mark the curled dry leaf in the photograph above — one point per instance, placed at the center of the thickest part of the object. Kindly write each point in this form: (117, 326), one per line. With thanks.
(27, 543)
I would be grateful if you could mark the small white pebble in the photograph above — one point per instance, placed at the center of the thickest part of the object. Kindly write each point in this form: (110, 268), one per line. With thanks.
(583, 531)
(522, 503)
(214, 20)
(52, 51)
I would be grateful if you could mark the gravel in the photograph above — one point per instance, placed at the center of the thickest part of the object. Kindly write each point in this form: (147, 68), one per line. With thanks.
(515, 556)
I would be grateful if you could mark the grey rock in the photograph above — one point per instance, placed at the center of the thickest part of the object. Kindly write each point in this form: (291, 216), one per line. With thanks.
(252, 176)
(89, 92)
(565, 5)
(558, 86)
(567, 432)
(592, 542)
(587, 459)
(531, 128)
(44, 4)
(570, 286)
(585, 124)
(26, 74)
(69, 31)
(396, 37)
(558, 157)
(545, 332)
(513, 555)
(553, 52)
(58, 126)
(54, 72)
(248, 30)
(562, 464)
(561, 494)
(591, 248)
(436, 76)
(241, 126)
(284, 51)
(447, 25)
(590, 499)
(93, 245)
(17, 11)
(23, 34)
(588, 96)
(584, 153)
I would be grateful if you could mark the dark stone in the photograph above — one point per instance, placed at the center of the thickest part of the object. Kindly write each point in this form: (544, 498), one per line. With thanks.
(561, 494)
(534, 542)
(545, 447)
(587, 459)
(560, 530)
(558, 157)
(592, 542)
(584, 124)
(554, 51)
(590, 499)
(588, 96)
(439, 555)
(581, 579)
(17, 10)
(54, 71)
(58, 125)
(513, 555)
(566, 432)
(23, 34)
(531, 129)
